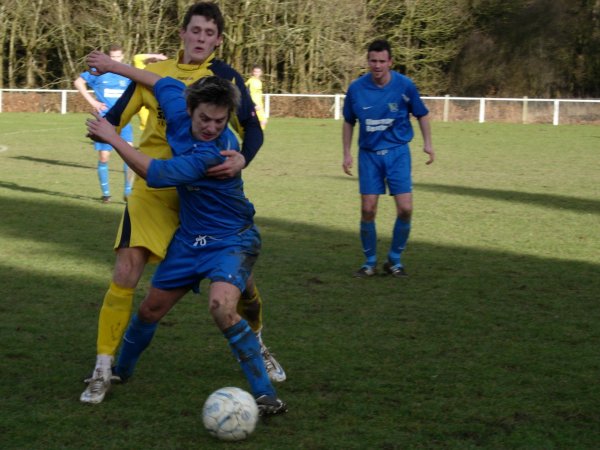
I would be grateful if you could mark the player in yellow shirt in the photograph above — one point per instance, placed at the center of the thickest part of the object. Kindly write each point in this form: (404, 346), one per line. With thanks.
(255, 87)
(140, 61)
(151, 215)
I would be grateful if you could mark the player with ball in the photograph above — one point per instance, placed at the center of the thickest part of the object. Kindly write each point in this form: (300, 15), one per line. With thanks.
(216, 239)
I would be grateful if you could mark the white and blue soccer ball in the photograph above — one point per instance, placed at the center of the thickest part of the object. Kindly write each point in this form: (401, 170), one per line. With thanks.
(230, 414)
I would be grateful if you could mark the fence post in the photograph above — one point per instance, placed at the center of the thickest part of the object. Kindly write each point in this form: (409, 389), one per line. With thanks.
(556, 112)
(481, 110)
(0, 100)
(267, 106)
(446, 107)
(63, 102)
(525, 109)
(337, 103)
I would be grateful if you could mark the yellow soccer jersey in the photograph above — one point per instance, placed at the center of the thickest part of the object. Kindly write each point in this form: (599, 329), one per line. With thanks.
(153, 141)
(256, 90)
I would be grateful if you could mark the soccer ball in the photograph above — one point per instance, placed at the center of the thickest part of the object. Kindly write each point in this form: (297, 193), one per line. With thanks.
(230, 414)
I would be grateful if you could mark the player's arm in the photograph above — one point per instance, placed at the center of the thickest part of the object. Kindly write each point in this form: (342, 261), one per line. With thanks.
(101, 63)
(247, 126)
(141, 60)
(101, 130)
(81, 86)
(347, 132)
(425, 127)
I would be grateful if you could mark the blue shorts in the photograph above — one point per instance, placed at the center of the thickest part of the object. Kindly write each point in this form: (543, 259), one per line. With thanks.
(392, 166)
(229, 259)
(126, 134)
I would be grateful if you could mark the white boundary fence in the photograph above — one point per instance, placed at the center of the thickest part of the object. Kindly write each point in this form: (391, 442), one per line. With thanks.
(446, 109)
(524, 109)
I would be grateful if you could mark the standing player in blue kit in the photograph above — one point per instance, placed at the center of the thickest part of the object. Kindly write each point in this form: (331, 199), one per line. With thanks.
(382, 102)
(107, 88)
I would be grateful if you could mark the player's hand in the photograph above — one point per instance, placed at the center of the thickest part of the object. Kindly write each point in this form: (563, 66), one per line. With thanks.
(100, 129)
(347, 165)
(431, 153)
(99, 106)
(98, 62)
(233, 165)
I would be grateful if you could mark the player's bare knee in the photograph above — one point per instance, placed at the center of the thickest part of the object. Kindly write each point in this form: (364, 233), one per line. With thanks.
(151, 313)
(129, 266)
(368, 215)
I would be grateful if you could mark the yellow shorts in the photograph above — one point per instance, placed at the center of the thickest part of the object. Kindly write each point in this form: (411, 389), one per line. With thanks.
(149, 221)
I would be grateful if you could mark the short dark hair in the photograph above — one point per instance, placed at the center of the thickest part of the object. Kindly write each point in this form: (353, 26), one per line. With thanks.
(115, 48)
(209, 10)
(213, 90)
(380, 45)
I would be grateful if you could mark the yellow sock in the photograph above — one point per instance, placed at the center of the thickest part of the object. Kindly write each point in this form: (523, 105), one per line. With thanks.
(250, 308)
(114, 318)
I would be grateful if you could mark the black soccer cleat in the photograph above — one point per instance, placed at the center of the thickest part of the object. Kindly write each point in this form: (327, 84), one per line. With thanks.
(270, 406)
(394, 270)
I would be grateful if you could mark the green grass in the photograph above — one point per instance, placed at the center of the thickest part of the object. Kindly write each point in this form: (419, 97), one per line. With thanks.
(492, 342)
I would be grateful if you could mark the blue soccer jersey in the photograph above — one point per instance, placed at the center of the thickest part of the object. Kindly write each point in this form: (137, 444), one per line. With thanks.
(108, 87)
(209, 207)
(383, 112)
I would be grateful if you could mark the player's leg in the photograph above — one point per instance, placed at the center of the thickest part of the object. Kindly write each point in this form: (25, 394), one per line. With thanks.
(371, 185)
(222, 302)
(146, 229)
(113, 319)
(368, 235)
(141, 330)
(102, 169)
(127, 135)
(400, 183)
(250, 308)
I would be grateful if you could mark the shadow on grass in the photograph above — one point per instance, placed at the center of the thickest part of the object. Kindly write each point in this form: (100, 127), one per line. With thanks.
(471, 332)
(546, 200)
(32, 190)
(56, 162)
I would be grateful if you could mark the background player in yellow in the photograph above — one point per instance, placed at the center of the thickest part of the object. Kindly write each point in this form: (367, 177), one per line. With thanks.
(255, 87)
(140, 61)
(151, 216)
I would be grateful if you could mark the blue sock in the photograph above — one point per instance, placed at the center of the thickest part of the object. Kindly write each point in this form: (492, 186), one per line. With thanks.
(127, 180)
(399, 240)
(368, 238)
(137, 337)
(103, 177)
(246, 349)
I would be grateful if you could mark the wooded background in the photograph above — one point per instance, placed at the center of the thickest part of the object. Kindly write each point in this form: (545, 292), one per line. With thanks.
(537, 48)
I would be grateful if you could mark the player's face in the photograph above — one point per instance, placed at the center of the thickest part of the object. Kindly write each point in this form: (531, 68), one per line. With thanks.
(380, 65)
(257, 73)
(208, 121)
(116, 55)
(200, 39)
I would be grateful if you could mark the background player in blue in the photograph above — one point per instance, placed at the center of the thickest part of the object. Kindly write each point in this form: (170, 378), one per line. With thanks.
(382, 102)
(216, 239)
(107, 89)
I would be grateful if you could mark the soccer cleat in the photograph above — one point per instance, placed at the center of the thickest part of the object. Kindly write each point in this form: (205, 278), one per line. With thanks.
(97, 388)
(274, 369)
(270, 406)
(395, 270)
(114, 378)
(365, 272)
(105, 199)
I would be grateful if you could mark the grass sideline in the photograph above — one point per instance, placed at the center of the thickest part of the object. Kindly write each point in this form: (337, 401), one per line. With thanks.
(492, 342)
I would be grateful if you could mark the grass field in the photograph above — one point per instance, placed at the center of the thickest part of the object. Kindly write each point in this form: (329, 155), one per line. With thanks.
(492, 342)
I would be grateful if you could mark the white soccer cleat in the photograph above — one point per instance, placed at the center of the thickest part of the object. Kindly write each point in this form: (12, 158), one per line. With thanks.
(97, 387)
(274, 369)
